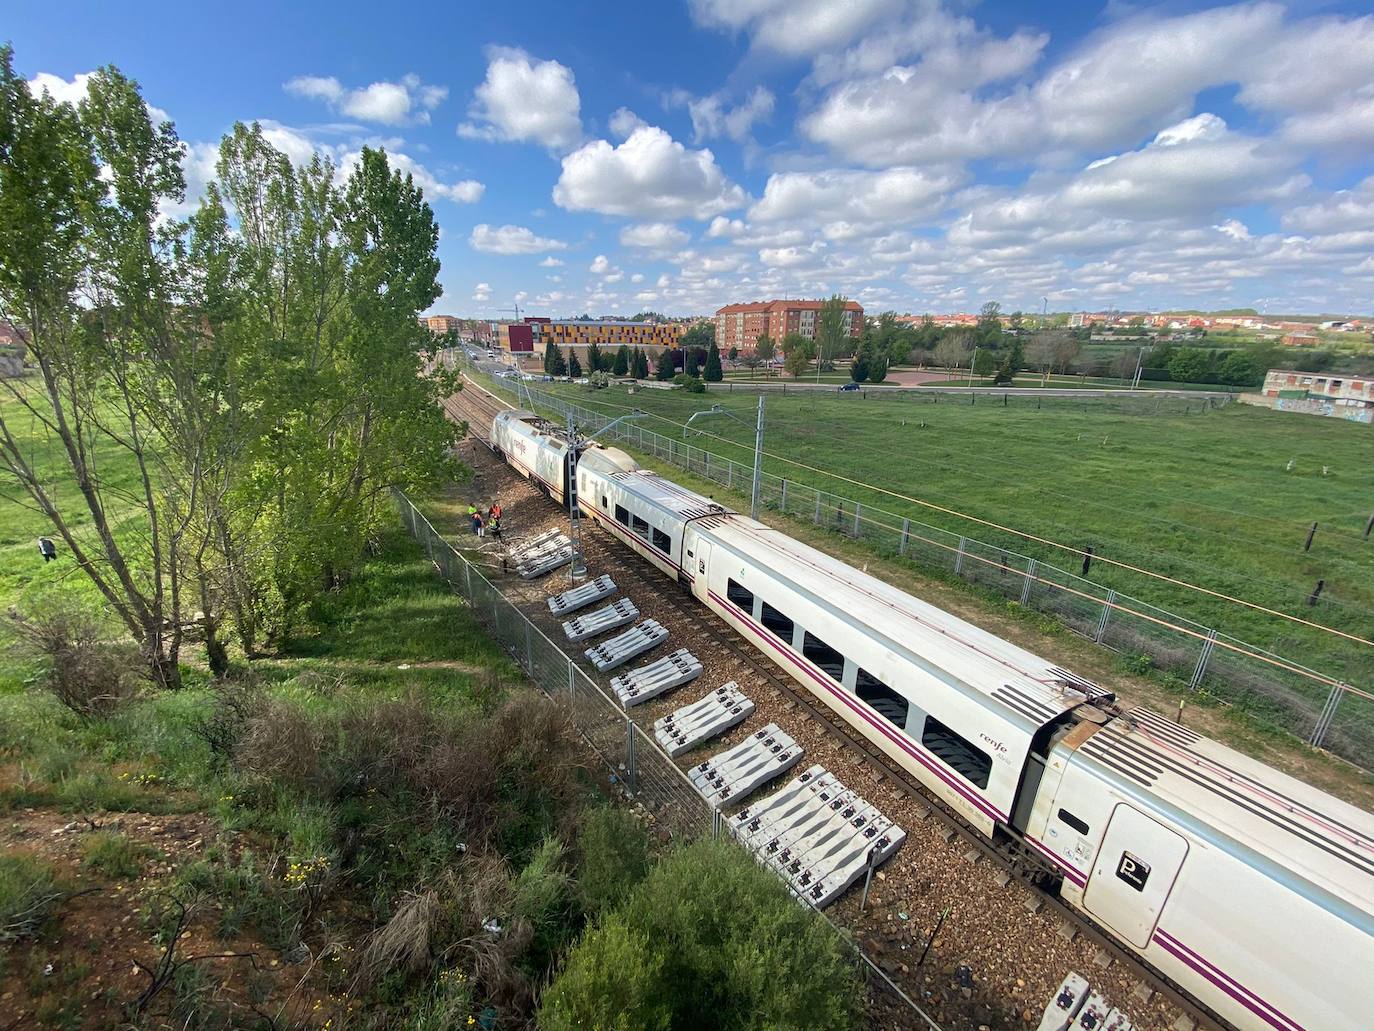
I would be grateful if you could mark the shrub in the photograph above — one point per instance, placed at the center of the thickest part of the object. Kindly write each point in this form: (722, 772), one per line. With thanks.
(245, 894)
(689, 383)
(707, 939)
(1139, 665)
(86, 673)
(114, 854)
(28, 891)
(614, 857)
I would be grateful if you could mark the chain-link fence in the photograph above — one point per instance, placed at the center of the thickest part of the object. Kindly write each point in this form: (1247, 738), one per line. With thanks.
(1277, 692)
(632, 756)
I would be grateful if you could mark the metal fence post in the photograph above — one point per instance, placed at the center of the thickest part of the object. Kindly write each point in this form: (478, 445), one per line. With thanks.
(783, 503)
(857, 506)
(1106, 614)
(1030, 579)
(1328, 714)
(630, 752)
(818, 508)
(1202, 659)
(572, 678)
(906, 535)
(529, 646)
(959, 557)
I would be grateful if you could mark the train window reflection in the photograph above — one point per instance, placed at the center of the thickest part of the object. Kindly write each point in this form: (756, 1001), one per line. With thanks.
(824, 656)
(887, 702)
(959, 753)
(739, 596)
(777, 622)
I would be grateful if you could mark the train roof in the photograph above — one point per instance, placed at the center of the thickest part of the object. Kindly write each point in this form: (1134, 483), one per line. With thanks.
(1029, 688)
(670, 498)
(1288, 824)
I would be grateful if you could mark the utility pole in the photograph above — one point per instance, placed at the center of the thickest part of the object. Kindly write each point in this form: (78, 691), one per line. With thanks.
(758, 463)
(971, 362)
(1139, 358)
(576, 567)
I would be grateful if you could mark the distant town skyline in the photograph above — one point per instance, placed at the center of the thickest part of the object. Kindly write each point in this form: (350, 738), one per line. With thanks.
(913, 156)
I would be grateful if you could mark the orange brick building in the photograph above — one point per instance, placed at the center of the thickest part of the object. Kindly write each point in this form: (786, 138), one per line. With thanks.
(739, 325)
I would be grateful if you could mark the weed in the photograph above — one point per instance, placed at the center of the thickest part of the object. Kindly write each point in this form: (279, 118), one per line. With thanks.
(614, 856)
(28, 892)
(115, 855)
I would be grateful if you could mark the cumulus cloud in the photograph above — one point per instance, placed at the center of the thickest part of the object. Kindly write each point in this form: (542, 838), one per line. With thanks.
(714, 115)
(73, 91)
(481, 292)
(408, 102)
(654, 236)
(510, 239)
(898, 194)
(623, 122)
(525, 100)
(551, 262)
(650, 175)
(600, 265)
(795, 27)
(722, 227)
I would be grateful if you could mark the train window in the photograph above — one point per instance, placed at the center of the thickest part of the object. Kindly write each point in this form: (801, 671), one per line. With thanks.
(959, 753)
(622, 515)
(741, 597)
(662, 541)
(639, 526)
(777, 622)
(1067, 817)
(888, 703)
(605, 503)
(824, 656)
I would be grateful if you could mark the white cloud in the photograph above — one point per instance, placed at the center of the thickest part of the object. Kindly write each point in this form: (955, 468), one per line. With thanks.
(713, 115)
(654, 236)
(600, 265)
(73, 91)
(465, 191)
(481, 292)
(551, 262)
(525, 100)
(407, 102)
(638, 277)
(1348, 125)
(790, 257)
(650, 175)
(794, 26)
(1341, 211)
(624, 122)
(898, 194)
(725, 227)
(510, 239)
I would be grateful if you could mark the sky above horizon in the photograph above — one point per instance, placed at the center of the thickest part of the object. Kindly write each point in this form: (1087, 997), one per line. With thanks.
(916, 156)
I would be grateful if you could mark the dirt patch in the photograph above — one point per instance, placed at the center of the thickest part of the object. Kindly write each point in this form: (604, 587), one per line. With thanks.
(91, 958)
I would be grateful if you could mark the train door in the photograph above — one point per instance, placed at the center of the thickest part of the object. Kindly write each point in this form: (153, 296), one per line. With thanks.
(1135, 870)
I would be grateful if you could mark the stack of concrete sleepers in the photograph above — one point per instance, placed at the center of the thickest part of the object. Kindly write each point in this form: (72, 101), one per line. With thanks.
(623, 647)
(646, 682)
(685, 728)
(735, 772)
(616, 614)
(581, 596)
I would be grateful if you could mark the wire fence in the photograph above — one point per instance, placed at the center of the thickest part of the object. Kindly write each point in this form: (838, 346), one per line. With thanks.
(1276, 692)
(632, 756)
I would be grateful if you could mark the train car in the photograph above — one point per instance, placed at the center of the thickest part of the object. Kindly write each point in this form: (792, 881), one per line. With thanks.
(534, 448)
(1251, 890)
(642, 509)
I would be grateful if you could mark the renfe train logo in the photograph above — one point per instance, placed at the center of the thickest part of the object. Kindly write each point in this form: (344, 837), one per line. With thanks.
(1133, 870)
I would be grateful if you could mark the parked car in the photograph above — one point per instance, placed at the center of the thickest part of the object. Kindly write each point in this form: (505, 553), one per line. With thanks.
(849, 386)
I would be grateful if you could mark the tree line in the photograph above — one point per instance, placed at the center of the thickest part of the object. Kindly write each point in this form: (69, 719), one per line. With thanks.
(258, 363)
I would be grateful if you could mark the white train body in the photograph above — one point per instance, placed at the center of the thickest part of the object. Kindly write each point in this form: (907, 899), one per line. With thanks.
(1251, 890)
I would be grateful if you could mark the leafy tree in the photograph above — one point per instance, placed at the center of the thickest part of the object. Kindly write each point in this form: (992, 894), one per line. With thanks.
(877, 368)
(988, 332)
(928, 335)
(832, 330)
(797, 352)
(858, 368)
(641, 364)
(1190, 365)
(764, 348)
(1017, 321)
(1123, 365)
(1241, 369)
(551, 359)
(560, 364)
(621, 366)
(700, 334)
(751, 361)
(984, 364)
(692, 365)
(713, 373)
(594, 357)
(574, 366)
(733, 353)
(665, 367)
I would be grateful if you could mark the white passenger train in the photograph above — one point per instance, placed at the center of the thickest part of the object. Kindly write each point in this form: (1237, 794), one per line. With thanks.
(1251, 890)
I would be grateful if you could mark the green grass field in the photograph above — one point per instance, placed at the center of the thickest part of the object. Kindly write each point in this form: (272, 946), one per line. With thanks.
(1203, 498)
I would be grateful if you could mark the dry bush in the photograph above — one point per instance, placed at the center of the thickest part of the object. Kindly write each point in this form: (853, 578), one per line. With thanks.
(403, 942)
(282, 742)
(87, 673)
(237, 703)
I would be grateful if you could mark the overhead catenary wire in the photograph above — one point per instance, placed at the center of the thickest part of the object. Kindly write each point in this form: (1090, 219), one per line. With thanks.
(1036, 538)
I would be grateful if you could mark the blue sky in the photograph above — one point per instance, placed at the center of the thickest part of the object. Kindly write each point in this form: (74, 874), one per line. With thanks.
(920, 156)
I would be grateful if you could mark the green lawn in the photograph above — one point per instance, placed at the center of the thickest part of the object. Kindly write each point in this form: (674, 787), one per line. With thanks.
(1203, 498)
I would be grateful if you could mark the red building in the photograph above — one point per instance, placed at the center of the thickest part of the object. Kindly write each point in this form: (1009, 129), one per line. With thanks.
(739, 325)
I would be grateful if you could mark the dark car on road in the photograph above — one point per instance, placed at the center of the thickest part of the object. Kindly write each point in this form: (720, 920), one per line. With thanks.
(850, 386)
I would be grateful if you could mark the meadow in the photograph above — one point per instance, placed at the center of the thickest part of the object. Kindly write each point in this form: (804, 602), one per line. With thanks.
(1223, 499)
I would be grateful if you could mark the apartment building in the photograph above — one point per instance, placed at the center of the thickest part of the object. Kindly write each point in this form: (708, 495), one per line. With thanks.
(439, 324)
(534, 334)
(739, 325)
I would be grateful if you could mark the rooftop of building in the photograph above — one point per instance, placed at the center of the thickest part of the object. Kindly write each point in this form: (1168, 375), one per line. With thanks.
(761, 306)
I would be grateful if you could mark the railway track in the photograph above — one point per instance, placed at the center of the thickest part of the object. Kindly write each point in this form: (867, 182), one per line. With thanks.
(476, 406)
